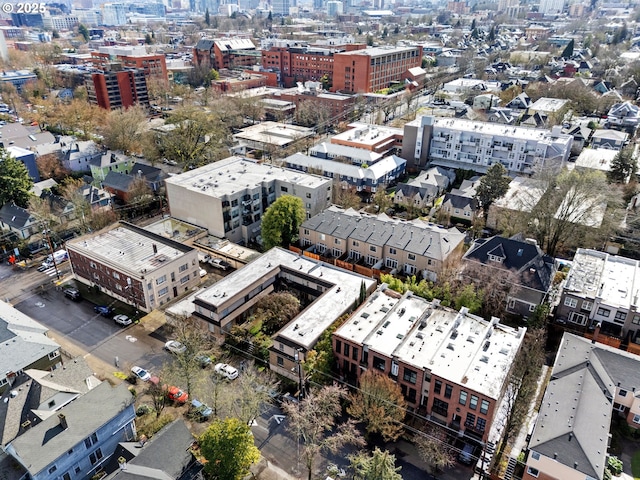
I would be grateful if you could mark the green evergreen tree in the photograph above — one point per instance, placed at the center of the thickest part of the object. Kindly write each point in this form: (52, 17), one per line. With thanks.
(492, 186)
(207, 18)
(15, 182)
(623, 166)
(82, 30)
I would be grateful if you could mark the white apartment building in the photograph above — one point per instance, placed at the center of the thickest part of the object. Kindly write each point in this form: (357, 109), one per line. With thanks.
(229, 197)
(461, 143)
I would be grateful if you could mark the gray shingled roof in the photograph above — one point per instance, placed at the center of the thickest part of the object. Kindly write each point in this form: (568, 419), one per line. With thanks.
(16, 217)
(83, 418)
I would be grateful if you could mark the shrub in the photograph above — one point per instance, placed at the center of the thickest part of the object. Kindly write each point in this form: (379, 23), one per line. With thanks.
(133, 392)
(615, 465)
(155, 426)
(143, 410)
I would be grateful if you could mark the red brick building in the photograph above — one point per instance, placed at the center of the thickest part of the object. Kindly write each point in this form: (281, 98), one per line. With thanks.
(299, 63)
(450, 365)
(117, 89)
(339, 107)
(370, 70)
(225, 53)
(152, 65)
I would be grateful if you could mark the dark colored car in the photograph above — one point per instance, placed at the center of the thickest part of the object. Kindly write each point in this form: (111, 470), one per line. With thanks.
(103, 310)
(72, 293)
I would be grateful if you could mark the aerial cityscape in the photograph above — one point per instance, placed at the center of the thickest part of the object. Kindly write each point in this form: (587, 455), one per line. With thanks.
(323, 239)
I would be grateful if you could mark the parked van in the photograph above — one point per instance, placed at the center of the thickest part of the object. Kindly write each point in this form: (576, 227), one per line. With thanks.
(466, 455)
(60, 256)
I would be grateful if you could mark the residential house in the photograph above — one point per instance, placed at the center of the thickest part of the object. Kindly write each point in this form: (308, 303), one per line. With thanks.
(168, 455)
(332, 291)
(590, 383)
(120, 184)
(366, 178)
(629, 88)
(504, 116)
(75, 441)
(521, 102)
(523, 195)
(534, 120)
(595, 159)
(624, 115)
(521, 263)
(24, 344)
(334, 151)
(109, 161)
(18, 220)
(485, 101)
(407, 247)
(422, 191)
(451, 366)
(581, 134)
(460, 203)
(269, 137)
(25, 136)
(133, 265)
(611, 139)
(78, 156)
(602, 289)
(237, 192)
(26, 157)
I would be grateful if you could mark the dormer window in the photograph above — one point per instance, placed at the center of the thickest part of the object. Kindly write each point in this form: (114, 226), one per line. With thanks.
(493, 258)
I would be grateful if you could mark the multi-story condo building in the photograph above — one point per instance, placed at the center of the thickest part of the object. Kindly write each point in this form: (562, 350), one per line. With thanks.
(590, 383)
(602, 289)
(372, 69)
(450, 365)
(60, 22)
(114, 14)
(237, 192)
(460, 143)
(117, 89)
(375, 138)
(130, 57)
(409, 248)
(133, 265)
(225, 53)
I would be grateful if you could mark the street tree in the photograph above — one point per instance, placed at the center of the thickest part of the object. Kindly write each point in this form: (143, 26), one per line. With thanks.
(252, 393)
(15, 182)
(314, 422)
(623, 166)
(185, 367)
(492, 186)
(281, 222)
(380, 465)
(229, 449)
(434, 449)
(122, 129)
(378, 403)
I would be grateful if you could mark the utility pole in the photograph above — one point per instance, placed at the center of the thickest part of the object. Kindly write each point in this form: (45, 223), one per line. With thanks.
(53, 257)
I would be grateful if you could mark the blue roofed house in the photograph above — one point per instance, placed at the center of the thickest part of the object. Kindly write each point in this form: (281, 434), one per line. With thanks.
(28, 158)
(68, 429)
(522, 264)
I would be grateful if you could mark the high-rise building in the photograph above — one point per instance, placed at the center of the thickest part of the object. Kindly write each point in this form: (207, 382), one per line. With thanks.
(117, 89)
(280, 7)
(551, 7)
(334, 7)
(114, 14)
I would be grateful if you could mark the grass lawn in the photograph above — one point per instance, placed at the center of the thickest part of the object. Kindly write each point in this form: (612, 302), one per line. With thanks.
(635, 465)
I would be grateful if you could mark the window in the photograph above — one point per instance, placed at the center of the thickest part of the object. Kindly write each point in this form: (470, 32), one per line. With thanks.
(346, 350)
(636, 418)
(95, 456)
(636, 320)
(90, 441)
(355, 243)
(379, 363)
(354, 353)
(306, 231)
(604, 311)
(308, 195)
(53, 469)
(587, 305)
(481, 425)
(619, 317)
(76, 469)
(280, 361)
(372, 248)
(571, 302)
(116, 275)
(284, 189)
(338, 346)
(392, 251)
(161, 280)
(66, 476)
(411, 256)
(336, 241)
(183, 267)
(234, 203)
(53, 355)
(470, 421)
(473, 403)
(163, 291)
(533, 471)
(484, 407)
(463, 397)
(437, 387)
(410, 376)
(448, 389)
(173, 276)
(440, 407)
(535, 455)
(184, 280)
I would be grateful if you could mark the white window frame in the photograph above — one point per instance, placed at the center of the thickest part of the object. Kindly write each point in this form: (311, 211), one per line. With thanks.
(570, 302)
(534, 472)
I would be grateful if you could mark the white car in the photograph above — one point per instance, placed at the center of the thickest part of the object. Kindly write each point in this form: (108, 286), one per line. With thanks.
(141, 373)
(175, 347)
(226, 370)
(122, 320)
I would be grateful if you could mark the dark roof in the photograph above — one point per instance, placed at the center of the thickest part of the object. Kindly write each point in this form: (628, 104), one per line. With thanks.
(14, 216)
(150, 174)
(533, 266)
(412, 190)
(166, 455)
(460, 201)
(118, 181)
(204, 44)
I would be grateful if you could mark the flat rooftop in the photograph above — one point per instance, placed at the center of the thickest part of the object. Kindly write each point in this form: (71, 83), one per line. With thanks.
(524, 193)
(273, 133)
(366, 134)
(551, 105)
(596, 158)
(456, 346)
(342, 291)
(130, 248)
(235, 174)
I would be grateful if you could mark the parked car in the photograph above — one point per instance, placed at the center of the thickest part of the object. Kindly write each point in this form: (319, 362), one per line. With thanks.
(103, 310)
(141, 373)
(203, 360)
(175, 347)
(466, 455)
(203, 273)
(226, 370)
(72, 293)
(202, 410)
(219, 263)
(176, 395)
(122, 320)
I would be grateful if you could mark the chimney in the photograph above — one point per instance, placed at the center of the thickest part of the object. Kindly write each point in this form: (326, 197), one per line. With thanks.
(63, 421)
(155, 249)
(570, 436)
(596, 332)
